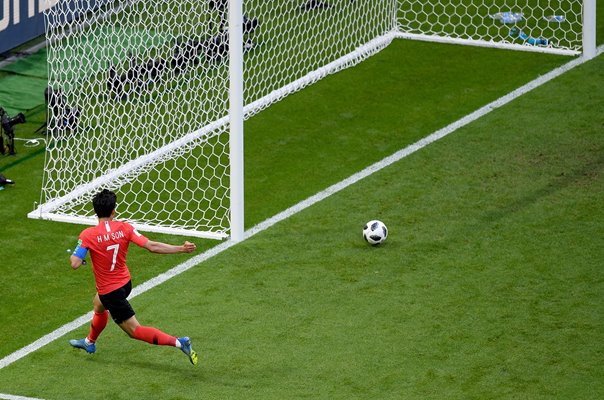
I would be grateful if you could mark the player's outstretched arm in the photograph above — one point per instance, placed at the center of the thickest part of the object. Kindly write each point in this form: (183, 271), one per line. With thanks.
(164, 248)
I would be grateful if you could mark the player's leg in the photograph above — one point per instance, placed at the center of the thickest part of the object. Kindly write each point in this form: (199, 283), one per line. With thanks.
(123, 314)
(154, 336)
(99, 322)
(99, 319)
(147, 333)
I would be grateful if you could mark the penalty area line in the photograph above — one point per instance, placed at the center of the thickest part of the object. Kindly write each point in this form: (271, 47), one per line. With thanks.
(441, 133)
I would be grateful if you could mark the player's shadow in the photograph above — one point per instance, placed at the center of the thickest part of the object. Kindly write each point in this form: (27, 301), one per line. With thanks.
(168, 367)
(175, 364)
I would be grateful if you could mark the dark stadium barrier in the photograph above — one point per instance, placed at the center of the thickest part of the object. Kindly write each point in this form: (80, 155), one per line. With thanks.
(23, 20)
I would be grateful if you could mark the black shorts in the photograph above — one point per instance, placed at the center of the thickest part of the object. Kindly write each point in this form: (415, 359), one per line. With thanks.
(117, 304)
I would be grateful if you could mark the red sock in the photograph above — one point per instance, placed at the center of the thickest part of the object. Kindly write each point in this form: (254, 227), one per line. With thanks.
(99, 322)
(154, 336)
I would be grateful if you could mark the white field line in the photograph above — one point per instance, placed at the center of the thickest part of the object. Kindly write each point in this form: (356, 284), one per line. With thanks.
(54, 335)
(12, 397)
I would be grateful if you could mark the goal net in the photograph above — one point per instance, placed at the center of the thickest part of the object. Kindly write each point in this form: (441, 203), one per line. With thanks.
(138, 96)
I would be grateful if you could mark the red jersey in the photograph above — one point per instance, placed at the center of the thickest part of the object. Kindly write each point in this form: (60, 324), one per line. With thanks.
(108, 245)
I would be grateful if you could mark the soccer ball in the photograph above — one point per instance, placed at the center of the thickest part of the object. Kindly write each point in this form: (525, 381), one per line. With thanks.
(375, 232)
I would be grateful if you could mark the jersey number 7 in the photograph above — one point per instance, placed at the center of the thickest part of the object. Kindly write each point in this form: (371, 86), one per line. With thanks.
(116, 249)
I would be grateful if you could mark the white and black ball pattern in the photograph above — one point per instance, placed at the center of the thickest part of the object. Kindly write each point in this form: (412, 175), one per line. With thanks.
(375, 232)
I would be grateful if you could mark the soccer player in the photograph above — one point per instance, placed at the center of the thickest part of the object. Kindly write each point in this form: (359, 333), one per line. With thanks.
(108, 245)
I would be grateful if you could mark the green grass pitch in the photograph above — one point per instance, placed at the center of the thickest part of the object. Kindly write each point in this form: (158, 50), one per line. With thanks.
(490, 285)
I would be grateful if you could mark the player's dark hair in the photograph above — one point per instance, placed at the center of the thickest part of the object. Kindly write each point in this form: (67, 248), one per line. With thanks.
(104, 203)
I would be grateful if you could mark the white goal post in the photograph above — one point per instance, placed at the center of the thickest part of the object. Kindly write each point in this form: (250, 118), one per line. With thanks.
(149, 98)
